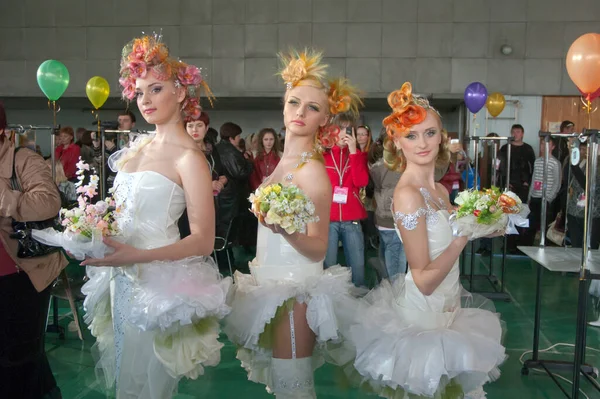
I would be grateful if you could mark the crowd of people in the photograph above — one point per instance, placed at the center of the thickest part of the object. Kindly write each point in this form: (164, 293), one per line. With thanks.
(156, 304)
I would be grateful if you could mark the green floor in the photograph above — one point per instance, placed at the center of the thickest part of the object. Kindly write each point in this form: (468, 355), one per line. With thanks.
(74, 369)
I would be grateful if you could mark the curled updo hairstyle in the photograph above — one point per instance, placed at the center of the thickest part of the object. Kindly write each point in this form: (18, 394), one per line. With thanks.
(408, 110)
(307, 69)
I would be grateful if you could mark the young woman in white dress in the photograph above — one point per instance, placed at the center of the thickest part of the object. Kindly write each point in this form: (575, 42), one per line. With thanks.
(154, 303)
(424, 335)
(289, 310)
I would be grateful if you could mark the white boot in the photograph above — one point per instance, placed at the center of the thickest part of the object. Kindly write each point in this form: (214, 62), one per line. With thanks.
(293, 378)
(595, 323)
(478, 393)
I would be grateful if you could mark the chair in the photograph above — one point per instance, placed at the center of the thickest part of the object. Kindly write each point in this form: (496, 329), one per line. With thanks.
(63, 288)
(225, 244)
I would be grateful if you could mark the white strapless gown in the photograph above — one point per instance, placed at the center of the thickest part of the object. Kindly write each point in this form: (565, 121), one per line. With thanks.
(278, 274)
(154, 323)
(407, 342)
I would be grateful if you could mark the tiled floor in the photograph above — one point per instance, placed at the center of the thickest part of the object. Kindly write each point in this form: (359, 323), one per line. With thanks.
(74, 368)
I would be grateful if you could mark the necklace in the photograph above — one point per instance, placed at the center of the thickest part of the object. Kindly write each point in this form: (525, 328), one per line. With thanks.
(305, 157)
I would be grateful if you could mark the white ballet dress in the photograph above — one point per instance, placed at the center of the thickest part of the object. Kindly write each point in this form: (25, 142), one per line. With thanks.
(409, 344)
(280, 275)
(154, 323)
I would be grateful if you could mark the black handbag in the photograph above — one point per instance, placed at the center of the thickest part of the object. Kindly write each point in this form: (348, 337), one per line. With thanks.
(28, 247)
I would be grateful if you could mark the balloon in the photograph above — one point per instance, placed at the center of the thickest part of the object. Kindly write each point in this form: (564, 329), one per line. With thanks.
(97, 90)
(495, 104)
(590, 96)
(53, 79)
(475, 96)
(583, 62)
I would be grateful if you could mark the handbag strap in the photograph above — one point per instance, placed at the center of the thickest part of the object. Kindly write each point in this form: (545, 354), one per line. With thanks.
(14, 182)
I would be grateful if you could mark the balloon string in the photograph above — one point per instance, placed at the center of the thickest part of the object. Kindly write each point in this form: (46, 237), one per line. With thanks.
(98, 121)
(587, 106)
(54, 113)
(589, 112)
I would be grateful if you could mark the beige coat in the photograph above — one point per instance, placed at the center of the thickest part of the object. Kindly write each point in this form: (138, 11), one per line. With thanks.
(40, 200)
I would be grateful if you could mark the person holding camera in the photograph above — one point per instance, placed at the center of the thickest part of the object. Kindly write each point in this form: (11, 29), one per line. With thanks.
(348, 172)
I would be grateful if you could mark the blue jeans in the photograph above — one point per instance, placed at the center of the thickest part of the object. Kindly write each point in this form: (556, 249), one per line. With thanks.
(391, 253)
(351, 235)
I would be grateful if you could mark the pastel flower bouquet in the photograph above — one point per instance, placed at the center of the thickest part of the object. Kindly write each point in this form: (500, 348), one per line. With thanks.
(85, 225)
(482, 213)
(285, 206)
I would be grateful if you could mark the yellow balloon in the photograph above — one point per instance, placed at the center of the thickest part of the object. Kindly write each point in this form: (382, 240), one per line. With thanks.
(97, 90)
(495, 104)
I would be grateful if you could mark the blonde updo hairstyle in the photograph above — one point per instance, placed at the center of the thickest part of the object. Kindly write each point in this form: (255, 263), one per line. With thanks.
(408, 110)
(307, 69)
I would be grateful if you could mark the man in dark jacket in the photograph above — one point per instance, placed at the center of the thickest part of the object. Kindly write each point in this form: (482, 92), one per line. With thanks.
(522, 160)
(237, 169)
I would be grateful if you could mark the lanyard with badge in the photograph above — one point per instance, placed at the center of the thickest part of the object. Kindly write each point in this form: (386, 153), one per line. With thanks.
(340, 193)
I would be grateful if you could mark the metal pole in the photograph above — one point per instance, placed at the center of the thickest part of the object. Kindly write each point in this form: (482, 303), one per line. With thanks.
(476, 172)
(462, 125)
(590, 178)
(103, 180)
(505, 237)
(508, 159)
(591, 182)
(544, 192)
(475, 181)
(53, 155)
(587, 210)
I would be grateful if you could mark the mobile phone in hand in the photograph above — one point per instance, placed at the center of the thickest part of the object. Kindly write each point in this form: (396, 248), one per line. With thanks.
(349, 131)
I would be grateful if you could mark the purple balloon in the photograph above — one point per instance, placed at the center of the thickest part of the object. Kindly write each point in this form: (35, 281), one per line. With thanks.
(475, 96)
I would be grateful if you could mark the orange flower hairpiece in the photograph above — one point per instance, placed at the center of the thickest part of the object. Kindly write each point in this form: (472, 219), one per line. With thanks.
(343, 97)
(408, 110)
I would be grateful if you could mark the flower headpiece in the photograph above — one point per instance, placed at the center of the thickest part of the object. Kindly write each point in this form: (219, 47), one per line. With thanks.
(408, 110)
(343, 97)
(149, 54)
(303, 68)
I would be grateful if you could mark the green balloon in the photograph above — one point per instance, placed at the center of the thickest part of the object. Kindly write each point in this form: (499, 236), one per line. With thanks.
(53, 79)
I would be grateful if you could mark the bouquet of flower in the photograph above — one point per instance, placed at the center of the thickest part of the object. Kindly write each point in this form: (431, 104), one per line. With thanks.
(481, 213)
(84, 225)
(285, 206)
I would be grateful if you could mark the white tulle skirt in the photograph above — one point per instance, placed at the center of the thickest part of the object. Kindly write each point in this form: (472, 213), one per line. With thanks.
(155, 323)
(401, 350)
(329, 310)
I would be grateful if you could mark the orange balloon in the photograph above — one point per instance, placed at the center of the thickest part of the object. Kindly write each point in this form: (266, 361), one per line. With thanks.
(583, 62)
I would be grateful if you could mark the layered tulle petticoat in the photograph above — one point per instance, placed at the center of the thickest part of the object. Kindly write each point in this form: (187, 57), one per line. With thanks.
(259, 301)
(406, 350)
(167, 323)
(447, 344)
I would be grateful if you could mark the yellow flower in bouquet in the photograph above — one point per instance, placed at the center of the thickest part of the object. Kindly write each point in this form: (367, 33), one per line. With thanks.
(285, 206)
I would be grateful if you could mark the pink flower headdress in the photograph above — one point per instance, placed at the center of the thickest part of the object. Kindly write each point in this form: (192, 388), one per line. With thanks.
(149, 55)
